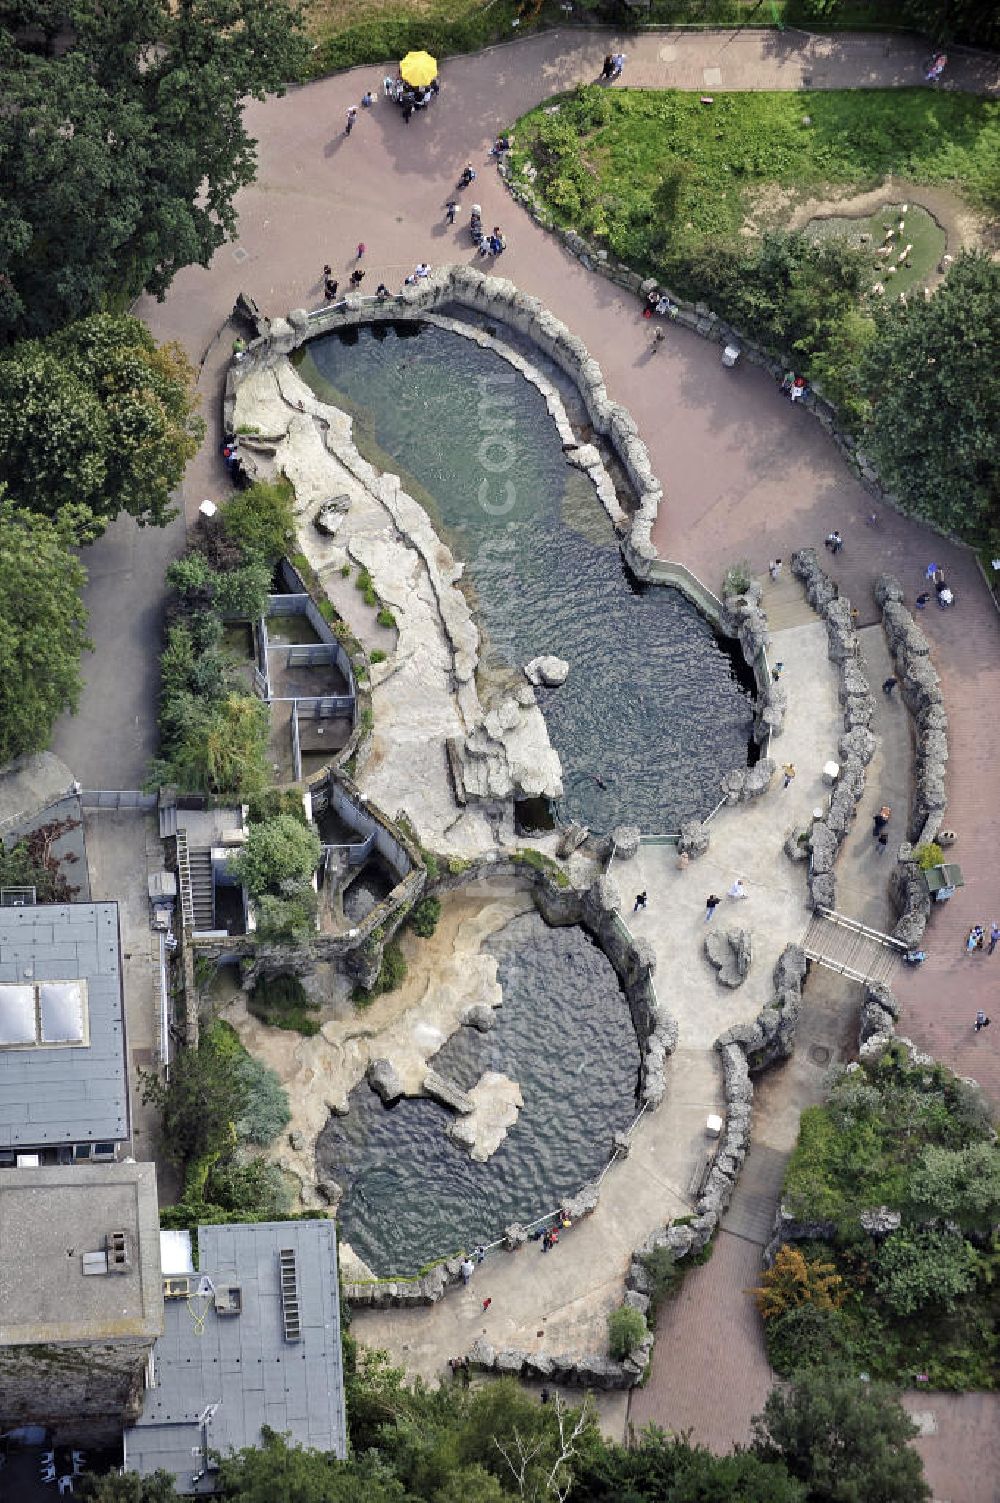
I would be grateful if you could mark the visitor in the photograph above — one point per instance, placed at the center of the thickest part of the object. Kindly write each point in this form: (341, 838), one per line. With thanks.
(787, 382)
(921, 600)
(352, 115)
(881, 843)
(407, 111)
(367, 100)
(789, 772)
(382, 292)
(658, 337)
(881, 820)
(468, 175)
(389, 86)
(738, 890)
(889, 684)
(421, 270)
(357, 277)
(711, 904)
(994, 938)
(982, 1021)
(486, 1303)
(872, 519)
(451, 210)
(683, 861)
(835, 542)
(500, 145)
(640, 901)
(546, 1241)
(915, 957)
(776, 671)
(936, 68)
(609, 66)
(239, 348)
(479, 1253)
(774, 568)
(945, 598)
(330, 284)
(544, 1396)
(932, 571)
(362, 247)
(467, 1269)
(617, 65)
(974, 939)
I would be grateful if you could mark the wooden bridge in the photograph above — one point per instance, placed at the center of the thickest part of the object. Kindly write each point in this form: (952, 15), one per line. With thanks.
(852, 949)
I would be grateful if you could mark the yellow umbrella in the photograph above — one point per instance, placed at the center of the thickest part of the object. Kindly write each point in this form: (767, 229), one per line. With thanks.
(418, 69)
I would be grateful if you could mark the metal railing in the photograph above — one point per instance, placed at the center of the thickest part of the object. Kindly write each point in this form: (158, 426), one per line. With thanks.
(117, 798)
(184, 880)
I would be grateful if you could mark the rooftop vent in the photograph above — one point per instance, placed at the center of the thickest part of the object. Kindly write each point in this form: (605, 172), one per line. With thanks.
(228, 1299)
(289, 1294)
(116, 1244)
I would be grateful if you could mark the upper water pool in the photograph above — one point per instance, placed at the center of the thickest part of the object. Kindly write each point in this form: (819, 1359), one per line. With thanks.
(652, 714)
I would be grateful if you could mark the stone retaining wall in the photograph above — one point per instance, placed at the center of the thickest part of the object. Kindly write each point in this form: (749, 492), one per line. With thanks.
(920, 691)
(857, 745)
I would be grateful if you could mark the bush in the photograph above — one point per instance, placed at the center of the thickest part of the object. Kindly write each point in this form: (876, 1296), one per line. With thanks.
(377, 655)
(391, 974)
(793, 1280)
(252, 1187)
(261, 519)
(265, 1112)
(924, 1267)
(386, 618)
(363, 582)
(287, 919)
(274, 801)
(281, 1002)
(738, 578)
(806, 1336)
(929, 854)
(425, 915)
(280, 851)
(626, 1329)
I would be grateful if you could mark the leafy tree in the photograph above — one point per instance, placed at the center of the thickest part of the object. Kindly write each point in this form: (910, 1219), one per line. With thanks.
(128, 1487)
(933, 382)
(845, 1439)
(222, 751)
(793, 1280)
(626, 1329)
(924, 1267)
(976, 21)
(42, 628)
(279, 851)
(199, 1104)
(261, 520)
(662, 1468)
(121, 157)
(963, 1184)
(95, 420)
(287, 920)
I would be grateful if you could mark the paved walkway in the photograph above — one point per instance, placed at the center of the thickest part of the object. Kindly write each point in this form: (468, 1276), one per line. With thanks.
(745, 473)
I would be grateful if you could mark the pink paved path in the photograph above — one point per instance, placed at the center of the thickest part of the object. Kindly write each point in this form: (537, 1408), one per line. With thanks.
(745, 474)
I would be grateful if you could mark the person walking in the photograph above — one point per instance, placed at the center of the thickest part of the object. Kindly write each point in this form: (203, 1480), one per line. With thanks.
(738, 889)
(982, 1021)
(889, 684)
(357, 277)
(329, 284)
(352, 115)
(921, 600)
(362, 247)
(994, 938)
(881, 842)
(467, 1268)
(711, 904)
(451, 210)
(777, 671)
(487, 1302)
(609, 66)
(789, 772)
(774, 568)
(640, 901)
(881, 820)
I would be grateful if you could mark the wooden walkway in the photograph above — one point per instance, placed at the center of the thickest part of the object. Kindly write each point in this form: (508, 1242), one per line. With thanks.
(851, 949)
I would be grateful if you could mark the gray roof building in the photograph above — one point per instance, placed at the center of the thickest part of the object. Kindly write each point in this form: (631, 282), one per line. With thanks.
(63, 1077)
(251, 1339)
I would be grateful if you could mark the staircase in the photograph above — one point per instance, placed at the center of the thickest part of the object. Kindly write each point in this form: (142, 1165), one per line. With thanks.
(784, 602)
(202, 890)
(851, 949)
(184, 881)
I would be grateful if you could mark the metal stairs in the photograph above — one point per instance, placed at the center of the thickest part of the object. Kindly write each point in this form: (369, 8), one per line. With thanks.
(202, 889)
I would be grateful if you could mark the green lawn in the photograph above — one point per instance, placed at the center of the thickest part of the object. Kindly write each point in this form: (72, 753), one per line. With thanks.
(615, 164)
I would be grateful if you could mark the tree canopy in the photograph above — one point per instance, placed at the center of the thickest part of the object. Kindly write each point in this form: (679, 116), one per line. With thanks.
(120, 157)
(95, 420)
(42, 628)
(933, 382)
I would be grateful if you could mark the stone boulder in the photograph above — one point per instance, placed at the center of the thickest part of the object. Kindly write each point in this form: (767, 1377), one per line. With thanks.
(330, 516)
(385, 1081)
(730, 951)
(548, 671)
(880, 1222)
(507, 755)
(571, 838)
(627, 839)
(480, 1016)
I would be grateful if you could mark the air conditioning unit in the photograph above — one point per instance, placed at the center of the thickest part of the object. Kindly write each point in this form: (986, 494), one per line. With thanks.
(176, 1288)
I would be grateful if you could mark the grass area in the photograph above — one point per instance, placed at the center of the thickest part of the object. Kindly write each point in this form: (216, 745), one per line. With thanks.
(650, 171)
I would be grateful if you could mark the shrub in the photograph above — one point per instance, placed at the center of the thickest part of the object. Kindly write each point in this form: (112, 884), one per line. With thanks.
(626, 1329)
(363, 582)
(221, 749)
(282, 1002)
(425, 915)
(738, 578)
(287, 919)
(793, 1280)
(280, 851)
(266, 1111)
(666, 1275)
(274, 801)
(377, 655)
(261, 519)
(253, 1187)
(242, 593)
(807, 1335)
(924, 1267)
(386, 618)
(929, 854)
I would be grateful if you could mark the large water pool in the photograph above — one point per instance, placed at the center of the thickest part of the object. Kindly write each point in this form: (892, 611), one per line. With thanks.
(564, 1033)
(653, 713)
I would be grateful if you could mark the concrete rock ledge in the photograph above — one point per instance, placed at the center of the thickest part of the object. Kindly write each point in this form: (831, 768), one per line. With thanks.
(857, 744)
(574, 1369)
(920, 691)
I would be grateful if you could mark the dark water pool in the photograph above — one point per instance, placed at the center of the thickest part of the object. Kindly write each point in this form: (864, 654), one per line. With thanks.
(564, 1033)
(652, 714)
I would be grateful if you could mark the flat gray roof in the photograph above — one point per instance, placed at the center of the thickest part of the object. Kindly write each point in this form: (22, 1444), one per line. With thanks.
(220, 1378)
(66, 1094)
(50, 1218)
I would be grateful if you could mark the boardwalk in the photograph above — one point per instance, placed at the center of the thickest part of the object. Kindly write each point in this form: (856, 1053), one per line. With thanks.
(745, 474)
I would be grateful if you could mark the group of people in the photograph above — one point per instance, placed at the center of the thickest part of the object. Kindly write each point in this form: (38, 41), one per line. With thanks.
(945, 596)
(794, 387)
(408, 97)
(614, 62)
(976, 939)
(493, 244)
(833, 542)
